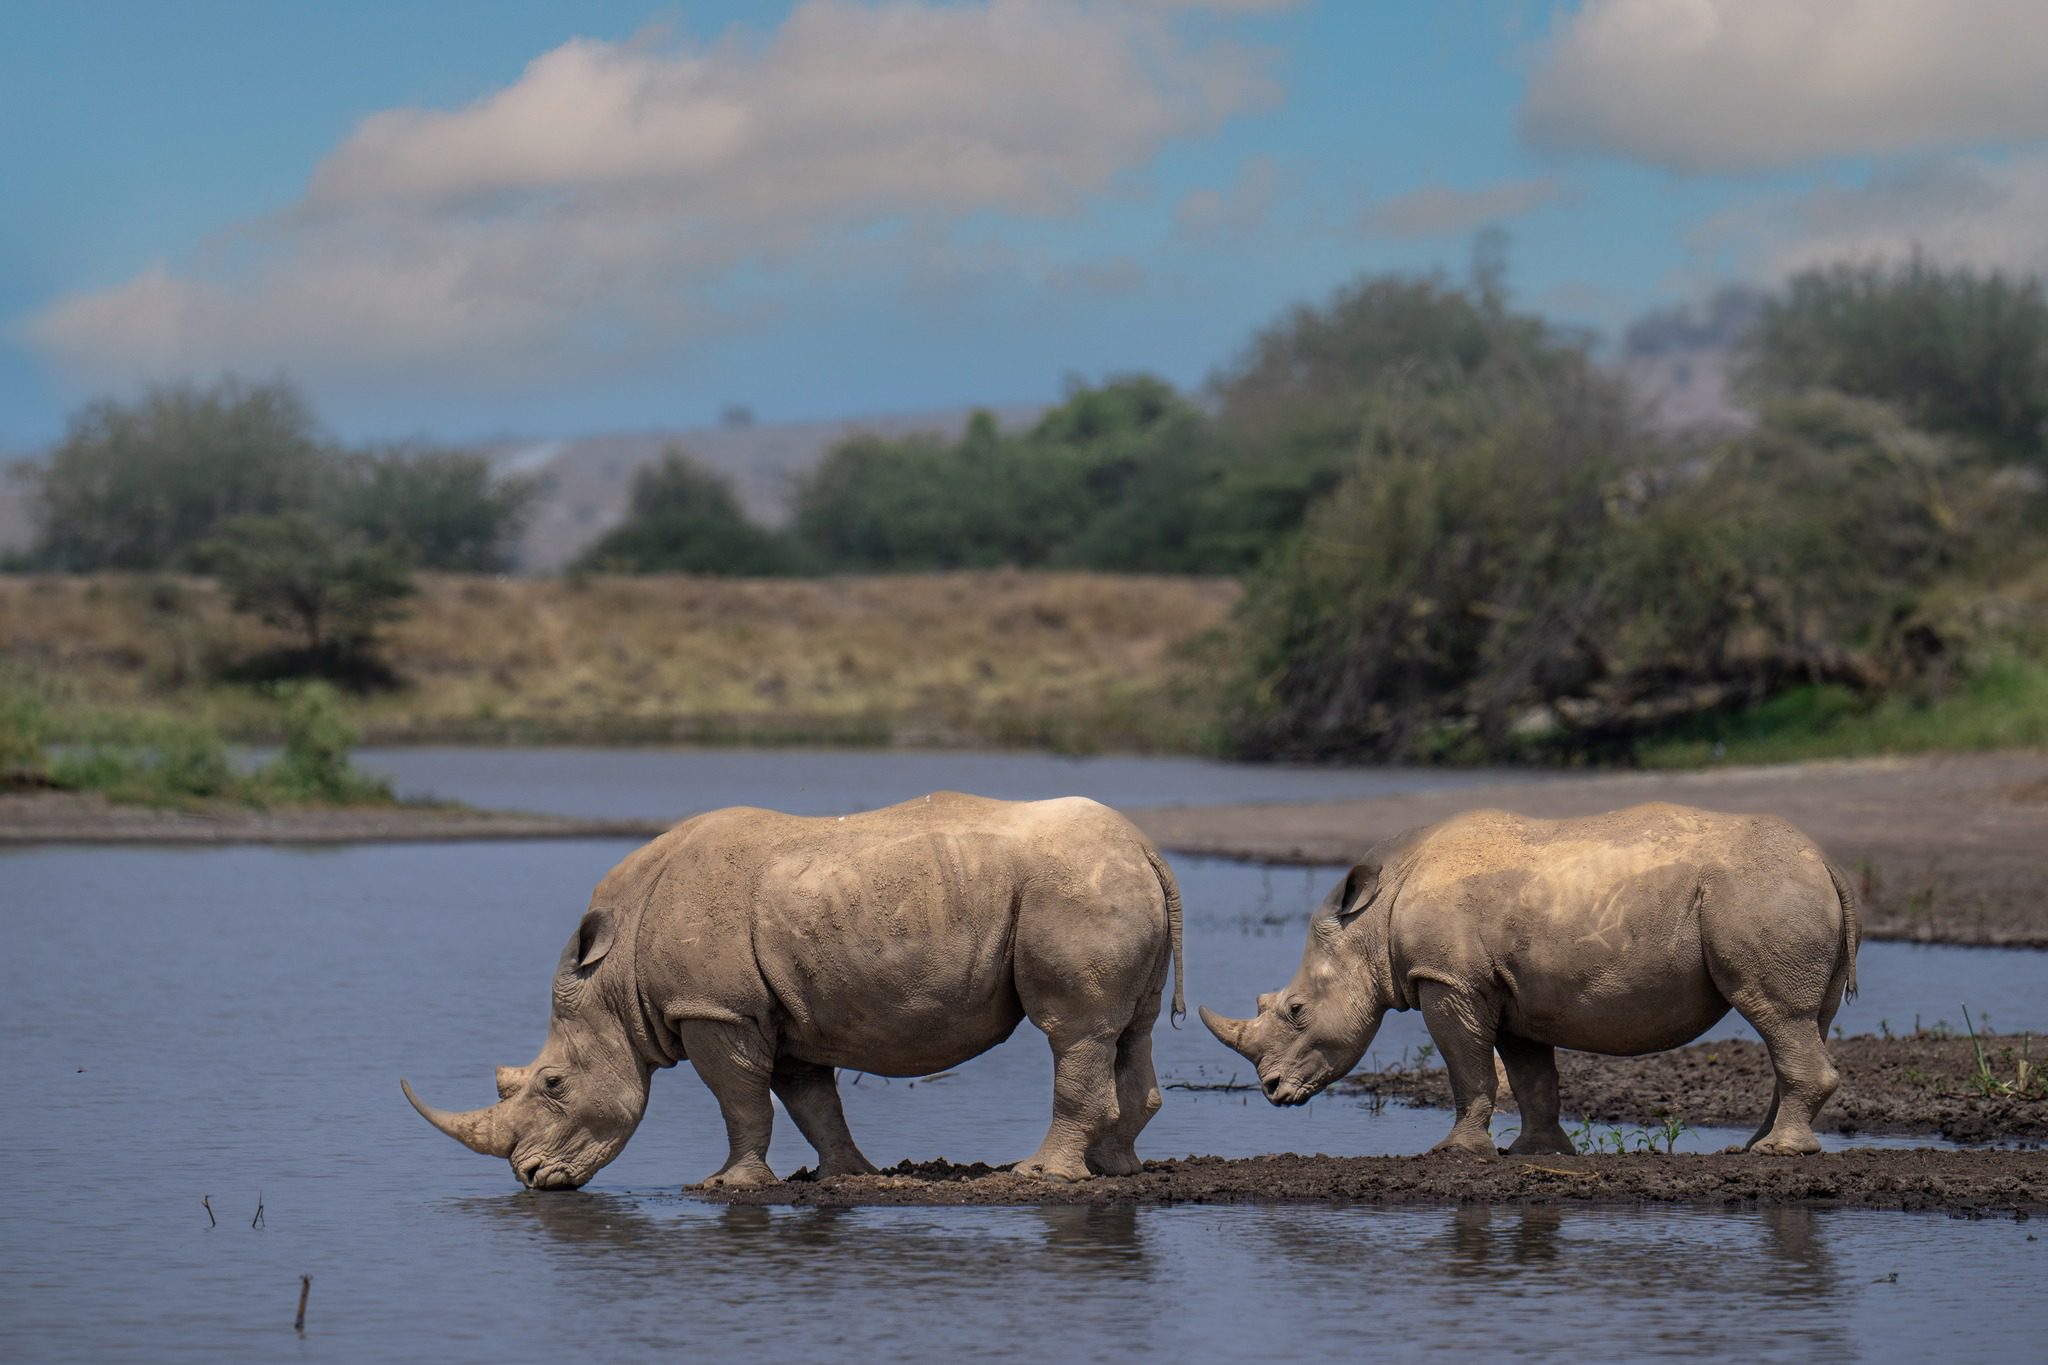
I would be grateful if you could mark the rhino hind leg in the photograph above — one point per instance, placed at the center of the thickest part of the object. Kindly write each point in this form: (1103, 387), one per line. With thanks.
(736, 1065)
(1532, 1075)
(1805, 1081)
(1464, 1036)
(811, 1094)
(1084, 1106)
(1137, 1100)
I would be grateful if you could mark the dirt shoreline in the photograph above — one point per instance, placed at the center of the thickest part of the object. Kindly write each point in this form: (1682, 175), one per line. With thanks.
(1948, 849)
(86, 818)
(1914, 1084)
(1972, 1183)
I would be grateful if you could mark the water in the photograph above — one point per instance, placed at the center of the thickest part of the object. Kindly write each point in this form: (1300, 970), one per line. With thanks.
(661, 784)
(231, 1023)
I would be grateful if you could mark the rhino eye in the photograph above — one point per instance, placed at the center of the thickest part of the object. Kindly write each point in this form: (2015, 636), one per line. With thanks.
(1296, 1012)
(552, 1083)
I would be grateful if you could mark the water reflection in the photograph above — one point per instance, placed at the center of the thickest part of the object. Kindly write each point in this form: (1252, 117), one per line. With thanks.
(630, 1237)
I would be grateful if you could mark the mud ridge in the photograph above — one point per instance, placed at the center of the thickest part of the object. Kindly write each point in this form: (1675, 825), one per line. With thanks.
(1915, 1084)
(1978, 1183)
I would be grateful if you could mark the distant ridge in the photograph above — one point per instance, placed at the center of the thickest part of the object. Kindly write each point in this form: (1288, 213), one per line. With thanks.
(587, 480)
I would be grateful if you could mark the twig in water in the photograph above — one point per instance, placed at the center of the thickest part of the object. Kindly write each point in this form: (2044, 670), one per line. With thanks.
(305, 1287)
(257, 1221)
(205, 1201)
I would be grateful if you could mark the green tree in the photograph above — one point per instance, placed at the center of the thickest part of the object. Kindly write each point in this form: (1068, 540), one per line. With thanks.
(1954, 350)
(329, 590)
(445, 508)
(685, 519)
(1294, 409)
(141, 485)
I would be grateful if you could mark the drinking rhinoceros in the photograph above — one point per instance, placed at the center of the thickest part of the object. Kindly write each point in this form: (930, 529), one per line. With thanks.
(1623, 934)
(767, 949)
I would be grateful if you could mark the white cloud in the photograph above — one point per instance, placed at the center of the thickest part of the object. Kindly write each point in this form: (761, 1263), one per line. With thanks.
(1446, 211)
(1977, 211)
(619, 198)
(1736, 85)
(1235, 212)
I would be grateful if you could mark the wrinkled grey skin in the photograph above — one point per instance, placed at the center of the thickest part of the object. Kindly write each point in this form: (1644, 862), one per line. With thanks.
(1622, 934)
(768, 949)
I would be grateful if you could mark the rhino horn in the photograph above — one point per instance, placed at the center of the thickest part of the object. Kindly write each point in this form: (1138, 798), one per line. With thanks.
(1229, 1031)
(480, 1130)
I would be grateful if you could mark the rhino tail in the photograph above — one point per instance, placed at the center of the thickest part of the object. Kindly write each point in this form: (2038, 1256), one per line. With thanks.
(1172, 890)
(1852, 930)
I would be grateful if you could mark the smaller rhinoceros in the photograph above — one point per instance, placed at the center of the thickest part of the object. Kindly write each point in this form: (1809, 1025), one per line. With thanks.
(1622, 934)
(768, 949)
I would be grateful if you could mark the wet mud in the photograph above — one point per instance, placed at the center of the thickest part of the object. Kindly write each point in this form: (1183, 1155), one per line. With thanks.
(1927, 1084)
(1974, 1183)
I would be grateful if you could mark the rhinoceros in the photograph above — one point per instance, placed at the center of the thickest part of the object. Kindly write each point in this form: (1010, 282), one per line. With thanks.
(768, 949)
(1622, 934)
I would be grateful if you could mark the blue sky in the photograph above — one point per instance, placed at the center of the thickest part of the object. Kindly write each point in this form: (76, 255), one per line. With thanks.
(458, 220)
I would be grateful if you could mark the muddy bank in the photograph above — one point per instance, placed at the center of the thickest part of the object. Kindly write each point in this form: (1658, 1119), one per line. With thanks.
(1984, 1182)
(1951, 849)
(1889, 1085)
(84, 818)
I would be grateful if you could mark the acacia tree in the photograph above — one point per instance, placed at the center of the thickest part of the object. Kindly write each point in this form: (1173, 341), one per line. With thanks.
(330, 590)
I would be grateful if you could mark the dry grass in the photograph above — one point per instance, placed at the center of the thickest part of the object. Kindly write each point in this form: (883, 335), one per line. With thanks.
(1068, 661)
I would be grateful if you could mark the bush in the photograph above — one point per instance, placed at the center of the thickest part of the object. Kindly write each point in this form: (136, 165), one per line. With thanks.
(685, 519)
(21, 736)
(1495, 579)
(152, 760)
(314, 765)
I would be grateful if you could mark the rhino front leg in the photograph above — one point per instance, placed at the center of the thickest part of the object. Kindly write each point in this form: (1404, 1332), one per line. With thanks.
(736, 1063)
(1532, 1074)
(1464, 1035)
(811, 1094)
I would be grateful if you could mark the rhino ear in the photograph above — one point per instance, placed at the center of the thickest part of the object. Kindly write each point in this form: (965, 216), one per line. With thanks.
(594, 937)
(1347, 901)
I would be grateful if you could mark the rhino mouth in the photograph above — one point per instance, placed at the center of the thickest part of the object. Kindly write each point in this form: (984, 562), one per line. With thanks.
(539, 1174)
(1287, 1092)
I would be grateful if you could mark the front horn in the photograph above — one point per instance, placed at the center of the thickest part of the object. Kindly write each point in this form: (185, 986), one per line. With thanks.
(1230, 1032)
(480, 1130)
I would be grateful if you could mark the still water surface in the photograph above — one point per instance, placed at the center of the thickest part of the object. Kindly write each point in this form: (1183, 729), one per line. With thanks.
(232, 1022)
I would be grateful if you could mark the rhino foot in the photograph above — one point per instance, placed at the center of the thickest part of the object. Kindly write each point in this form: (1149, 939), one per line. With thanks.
(1468, 1144)
(846, 1163)
(1043, 1167)
(1116, 1162)
(1551, 1143)
(1787, 1146)
(750, 1174)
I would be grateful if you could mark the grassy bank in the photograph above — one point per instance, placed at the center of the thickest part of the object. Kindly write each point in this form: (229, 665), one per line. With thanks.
(1072, 662)
(159, 758)
(2002, 706)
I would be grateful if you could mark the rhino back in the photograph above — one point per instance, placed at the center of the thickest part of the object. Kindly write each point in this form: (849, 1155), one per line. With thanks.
(882, 941)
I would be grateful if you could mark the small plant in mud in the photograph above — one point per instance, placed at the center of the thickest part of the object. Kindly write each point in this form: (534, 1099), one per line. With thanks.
(1668, 1131)
(1986, 1081)
(1592, 1140)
